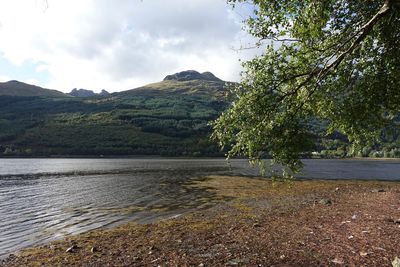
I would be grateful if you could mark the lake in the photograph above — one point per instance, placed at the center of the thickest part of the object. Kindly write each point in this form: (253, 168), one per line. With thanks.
(45, 199)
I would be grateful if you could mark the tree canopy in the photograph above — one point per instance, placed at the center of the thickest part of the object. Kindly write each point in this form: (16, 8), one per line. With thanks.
(338, 61)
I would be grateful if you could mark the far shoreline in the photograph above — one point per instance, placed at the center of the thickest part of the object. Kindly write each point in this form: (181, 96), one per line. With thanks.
(181, 157)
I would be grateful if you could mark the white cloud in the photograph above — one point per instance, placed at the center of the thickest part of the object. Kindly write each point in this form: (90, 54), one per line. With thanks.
(4, 78)
(118, 45)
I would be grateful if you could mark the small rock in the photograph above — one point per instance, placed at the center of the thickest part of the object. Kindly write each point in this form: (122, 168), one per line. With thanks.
(378, 190)
(325, 201)
(153, 261)
(396, 262)
(337, 261)
(256, 225)
(350, 237)
(71, 248)
(282, 257)
(201, 265)
(93, 249)
(235, 262)
(363, 254)
(354, 217)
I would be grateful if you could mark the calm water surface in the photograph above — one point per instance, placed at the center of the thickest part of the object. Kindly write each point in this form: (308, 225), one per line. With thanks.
(45, 199)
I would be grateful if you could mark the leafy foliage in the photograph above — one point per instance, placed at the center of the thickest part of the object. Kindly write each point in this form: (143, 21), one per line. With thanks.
(331, 61)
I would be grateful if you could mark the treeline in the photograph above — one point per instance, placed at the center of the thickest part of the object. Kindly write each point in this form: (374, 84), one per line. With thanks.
(139, 123)
(143, 123)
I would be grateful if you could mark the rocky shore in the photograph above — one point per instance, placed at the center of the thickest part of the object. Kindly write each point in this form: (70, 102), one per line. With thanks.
(255, 223)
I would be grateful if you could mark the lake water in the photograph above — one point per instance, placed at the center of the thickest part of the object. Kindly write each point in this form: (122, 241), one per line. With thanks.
(45, 199)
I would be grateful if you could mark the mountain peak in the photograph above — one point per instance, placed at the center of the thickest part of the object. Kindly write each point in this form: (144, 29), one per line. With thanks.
(190, 75)
(87, 93)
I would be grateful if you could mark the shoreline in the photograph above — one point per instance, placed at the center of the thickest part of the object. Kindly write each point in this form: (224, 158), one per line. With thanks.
(177, 157)
(253, 221)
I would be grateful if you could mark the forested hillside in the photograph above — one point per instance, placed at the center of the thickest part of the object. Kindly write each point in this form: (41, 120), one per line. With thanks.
(168, 118)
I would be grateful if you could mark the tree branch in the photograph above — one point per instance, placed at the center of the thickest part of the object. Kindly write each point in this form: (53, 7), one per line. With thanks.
(364, 31)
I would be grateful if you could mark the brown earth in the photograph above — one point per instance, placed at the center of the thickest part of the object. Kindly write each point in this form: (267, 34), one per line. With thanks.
(256, 223)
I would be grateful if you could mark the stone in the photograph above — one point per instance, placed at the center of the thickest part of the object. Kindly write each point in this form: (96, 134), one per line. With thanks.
(235, 262)
(378, 190)
(337, 261)
(93, 249)
(71, 249)
(325, 201)
(396, 262)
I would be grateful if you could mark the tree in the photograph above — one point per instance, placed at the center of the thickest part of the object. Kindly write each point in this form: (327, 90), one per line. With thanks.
(337, 61)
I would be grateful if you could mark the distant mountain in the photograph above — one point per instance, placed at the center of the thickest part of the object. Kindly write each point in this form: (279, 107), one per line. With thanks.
(169, 118)
(16, 88)
(104, 93)
(87, 93)
(191, 75)
(186, 82)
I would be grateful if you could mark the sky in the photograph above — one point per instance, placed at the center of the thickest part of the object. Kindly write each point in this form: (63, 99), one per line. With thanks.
(118, 45)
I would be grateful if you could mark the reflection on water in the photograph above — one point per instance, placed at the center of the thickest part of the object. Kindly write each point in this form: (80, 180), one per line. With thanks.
(45, 199)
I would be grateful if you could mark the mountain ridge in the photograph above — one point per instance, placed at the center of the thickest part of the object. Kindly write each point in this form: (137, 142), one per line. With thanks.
(168, 118)
(190, 75)
(87, 93)
(181, 81)
(17, 88)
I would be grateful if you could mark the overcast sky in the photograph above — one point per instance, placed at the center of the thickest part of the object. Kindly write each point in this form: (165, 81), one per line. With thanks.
(117, 44)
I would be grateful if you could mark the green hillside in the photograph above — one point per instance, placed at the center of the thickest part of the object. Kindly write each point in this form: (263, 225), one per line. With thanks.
(16, 88)
(167, 118)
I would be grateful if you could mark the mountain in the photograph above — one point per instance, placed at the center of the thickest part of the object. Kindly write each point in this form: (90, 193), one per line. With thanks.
(185, 83)
(87, 93)
(82, 93)
(104, 93)
(16, 88)
(169, 118)
(191, 75)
